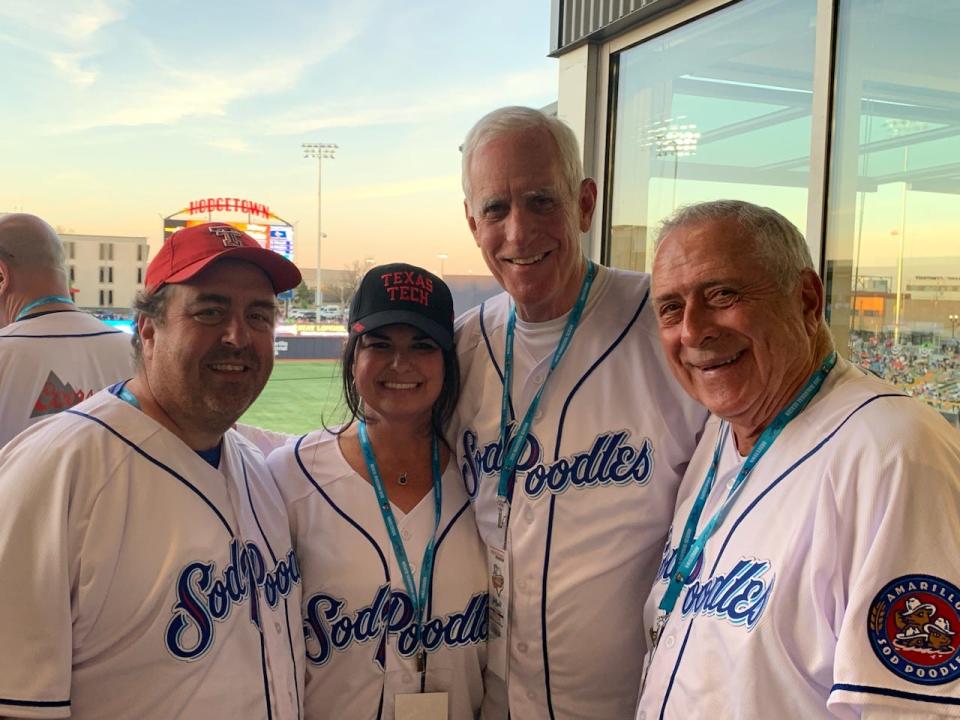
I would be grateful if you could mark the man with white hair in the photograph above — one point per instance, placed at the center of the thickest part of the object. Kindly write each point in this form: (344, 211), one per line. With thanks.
(52, 356)
(815, 533)
(571, 435)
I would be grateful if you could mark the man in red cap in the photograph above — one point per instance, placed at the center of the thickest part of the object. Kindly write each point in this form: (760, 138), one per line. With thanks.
(145, 554)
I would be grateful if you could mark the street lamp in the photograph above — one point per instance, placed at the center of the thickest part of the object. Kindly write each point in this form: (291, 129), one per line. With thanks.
(954, 319)
(442, 257)
(672, 138)
(320, 151)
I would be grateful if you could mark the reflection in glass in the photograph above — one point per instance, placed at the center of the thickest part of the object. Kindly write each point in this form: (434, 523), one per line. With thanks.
(718, 108)
(893, 233)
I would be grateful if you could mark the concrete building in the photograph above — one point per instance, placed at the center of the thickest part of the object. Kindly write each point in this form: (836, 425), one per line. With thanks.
(105, 271)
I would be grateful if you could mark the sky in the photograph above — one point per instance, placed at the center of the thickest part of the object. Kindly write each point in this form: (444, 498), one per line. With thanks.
(118, 113)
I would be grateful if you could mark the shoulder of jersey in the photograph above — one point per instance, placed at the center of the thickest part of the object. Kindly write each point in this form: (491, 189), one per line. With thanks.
(630, 275)
(312, 461)
(467, 330)
(883, 441)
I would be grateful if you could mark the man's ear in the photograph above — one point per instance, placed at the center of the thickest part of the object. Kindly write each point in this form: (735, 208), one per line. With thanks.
(146, 329)
(471, 221)
(5, 275)
(587, 203)
(812, 300)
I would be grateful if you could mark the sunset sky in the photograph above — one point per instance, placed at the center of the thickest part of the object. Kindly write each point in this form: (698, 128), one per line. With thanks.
(118, 113)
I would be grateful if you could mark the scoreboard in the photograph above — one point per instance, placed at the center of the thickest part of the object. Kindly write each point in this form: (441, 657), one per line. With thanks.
(278, 238)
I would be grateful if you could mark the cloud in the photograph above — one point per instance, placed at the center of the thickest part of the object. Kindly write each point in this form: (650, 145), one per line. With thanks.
(62, 32)
(515, 87)
(235, 145)
(69, 64)
(92, 17)
(72, 21)
(179, 88)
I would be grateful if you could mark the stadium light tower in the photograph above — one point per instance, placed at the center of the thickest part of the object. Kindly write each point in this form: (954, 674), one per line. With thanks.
(320, 151)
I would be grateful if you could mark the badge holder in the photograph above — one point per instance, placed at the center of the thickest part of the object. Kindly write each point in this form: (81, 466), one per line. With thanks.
(422, 706)
(498, 607)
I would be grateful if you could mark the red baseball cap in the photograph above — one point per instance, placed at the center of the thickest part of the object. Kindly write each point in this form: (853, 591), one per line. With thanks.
(188, 251)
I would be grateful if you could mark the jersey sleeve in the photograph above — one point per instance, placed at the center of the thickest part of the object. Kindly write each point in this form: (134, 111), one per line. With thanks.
(35, 586)
(898, 644)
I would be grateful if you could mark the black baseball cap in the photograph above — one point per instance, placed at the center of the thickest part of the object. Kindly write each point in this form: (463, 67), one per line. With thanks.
(399, 293)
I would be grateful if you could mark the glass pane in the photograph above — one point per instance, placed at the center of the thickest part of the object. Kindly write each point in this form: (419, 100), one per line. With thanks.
(718, 108)
(893, 233)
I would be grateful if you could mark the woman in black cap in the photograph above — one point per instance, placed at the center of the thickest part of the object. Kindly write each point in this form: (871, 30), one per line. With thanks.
(392, 568)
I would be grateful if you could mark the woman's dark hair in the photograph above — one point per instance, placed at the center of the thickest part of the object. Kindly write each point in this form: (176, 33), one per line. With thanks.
(443, 407)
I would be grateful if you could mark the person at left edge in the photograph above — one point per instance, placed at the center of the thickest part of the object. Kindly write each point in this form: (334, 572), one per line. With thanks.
(360, 519)
(146, 568)
(52, 355)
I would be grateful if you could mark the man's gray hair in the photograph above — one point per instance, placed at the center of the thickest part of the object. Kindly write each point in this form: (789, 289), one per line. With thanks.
(778, 241)
(152, 305)
(513, 119)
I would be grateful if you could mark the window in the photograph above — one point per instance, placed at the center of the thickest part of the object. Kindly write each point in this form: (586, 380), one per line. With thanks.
(139, 275)
(718, 108)
(101, 298)
(70, 250)
(892, 253)
(72, 273)
(110, 297)
(102, 275)
(110, 274)
(141, 253)
(106, 251)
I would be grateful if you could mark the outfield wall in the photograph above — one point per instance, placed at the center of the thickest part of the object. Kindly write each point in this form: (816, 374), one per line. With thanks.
(294, 347)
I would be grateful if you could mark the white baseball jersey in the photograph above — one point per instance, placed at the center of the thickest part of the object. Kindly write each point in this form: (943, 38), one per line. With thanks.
(137, 581)
(594, 493)
(53, 361)
(358, 619)
(832, 585)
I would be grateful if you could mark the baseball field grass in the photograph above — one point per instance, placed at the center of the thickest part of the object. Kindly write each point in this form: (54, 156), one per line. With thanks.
(300, 396)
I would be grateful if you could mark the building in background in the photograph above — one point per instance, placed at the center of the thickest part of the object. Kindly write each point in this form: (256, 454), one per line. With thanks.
(844, 115)
(105, 271)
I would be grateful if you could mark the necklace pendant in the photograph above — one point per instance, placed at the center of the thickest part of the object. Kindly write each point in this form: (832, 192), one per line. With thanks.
(402, 480)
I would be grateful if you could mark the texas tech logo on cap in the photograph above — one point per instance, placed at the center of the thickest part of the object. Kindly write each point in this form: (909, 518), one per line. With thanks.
(231, 237)
(407, 285)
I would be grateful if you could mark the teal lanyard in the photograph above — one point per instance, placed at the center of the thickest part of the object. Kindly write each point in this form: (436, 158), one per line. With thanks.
(420, 599)
(512, 455)
(46, 299)
(690, 549)
(127, 396)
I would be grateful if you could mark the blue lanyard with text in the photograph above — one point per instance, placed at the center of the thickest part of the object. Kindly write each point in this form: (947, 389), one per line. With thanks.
(690, 549)
(512, 453)
(420, 599)
(46, 299)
